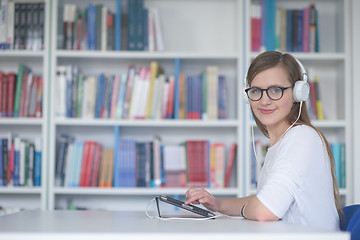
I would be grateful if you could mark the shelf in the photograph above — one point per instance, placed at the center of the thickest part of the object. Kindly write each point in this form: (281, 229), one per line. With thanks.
(147, 123)
(137, 191)
(21, 121)
(312, 56)
(142, 55)
(22, 53)
(21, 190)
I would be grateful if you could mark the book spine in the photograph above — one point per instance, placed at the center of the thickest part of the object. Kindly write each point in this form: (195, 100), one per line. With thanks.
(118, 26)
(37, 163)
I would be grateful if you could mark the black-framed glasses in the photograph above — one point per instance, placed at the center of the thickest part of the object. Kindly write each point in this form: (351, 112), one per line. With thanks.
(274, 92)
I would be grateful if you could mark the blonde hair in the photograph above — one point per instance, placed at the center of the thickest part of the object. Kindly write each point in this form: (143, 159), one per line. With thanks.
(271, 59)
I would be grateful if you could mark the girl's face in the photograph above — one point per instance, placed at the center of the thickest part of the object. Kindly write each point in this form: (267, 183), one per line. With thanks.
(272, 113)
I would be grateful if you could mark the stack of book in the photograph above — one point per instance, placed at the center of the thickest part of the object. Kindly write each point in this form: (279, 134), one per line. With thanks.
(21, 93)
(144, 94)
(22, 25)
(20, 162)
(130, 27)
(287, 30)
(143, 164)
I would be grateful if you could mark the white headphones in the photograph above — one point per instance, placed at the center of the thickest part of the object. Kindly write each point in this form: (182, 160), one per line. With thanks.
(301, 89)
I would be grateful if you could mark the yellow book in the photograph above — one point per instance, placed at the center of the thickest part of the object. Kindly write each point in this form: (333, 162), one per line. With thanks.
(154, 72)
(319, 106)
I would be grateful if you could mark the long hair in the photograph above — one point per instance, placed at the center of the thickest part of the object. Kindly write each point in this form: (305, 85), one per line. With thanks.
(271, 59)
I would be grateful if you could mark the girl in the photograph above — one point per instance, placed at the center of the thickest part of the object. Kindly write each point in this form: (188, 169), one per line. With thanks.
(297, 180)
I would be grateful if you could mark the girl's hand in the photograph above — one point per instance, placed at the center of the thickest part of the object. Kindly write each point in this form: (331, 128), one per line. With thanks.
(201, 196)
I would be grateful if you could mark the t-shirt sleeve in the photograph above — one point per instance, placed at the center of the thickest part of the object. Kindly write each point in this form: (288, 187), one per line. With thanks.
(277, 194)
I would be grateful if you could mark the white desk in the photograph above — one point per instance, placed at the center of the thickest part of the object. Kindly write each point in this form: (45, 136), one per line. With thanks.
(101, 225)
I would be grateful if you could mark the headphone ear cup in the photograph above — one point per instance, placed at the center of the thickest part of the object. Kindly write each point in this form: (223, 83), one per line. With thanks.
(301, 91)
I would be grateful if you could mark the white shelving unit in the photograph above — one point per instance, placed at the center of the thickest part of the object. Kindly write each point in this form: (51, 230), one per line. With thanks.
(332, 63)
(199, 33)
(355, 18)
(28, 128)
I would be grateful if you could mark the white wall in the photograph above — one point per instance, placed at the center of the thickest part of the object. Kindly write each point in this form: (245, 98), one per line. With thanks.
(356, 96)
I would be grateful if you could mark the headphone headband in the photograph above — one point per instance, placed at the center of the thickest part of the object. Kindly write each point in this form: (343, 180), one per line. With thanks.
(301, 88)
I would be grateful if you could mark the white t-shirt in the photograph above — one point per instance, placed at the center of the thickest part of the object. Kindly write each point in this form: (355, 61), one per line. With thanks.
(295, 181)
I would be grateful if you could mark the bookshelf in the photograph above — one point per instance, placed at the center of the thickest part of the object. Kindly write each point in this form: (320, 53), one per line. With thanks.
(208, 43)
(14, 198)
(332, 64)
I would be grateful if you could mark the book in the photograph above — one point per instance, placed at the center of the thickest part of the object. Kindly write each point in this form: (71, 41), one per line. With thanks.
(175, 166)
(121, 96)
(230, 164)
(118, 25)
(22, 70)
(154, 72)
(212, 92)
(319, 106)
(159, 41)
(255, 27)
(37, 162)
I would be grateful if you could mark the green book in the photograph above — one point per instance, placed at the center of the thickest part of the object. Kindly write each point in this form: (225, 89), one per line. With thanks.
(22, 69)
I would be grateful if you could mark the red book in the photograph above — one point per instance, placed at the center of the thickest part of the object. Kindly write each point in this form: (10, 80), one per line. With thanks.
(84, 164)
(11, 94)
(170, 107)
(197, 163)
(230, 164)
(10, 172)
(2, 79)
(89, 165)
(5, 95)
(255, 27)
(96, 168)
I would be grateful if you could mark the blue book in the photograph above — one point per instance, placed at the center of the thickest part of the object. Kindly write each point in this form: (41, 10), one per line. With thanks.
(176, 88)
(117, 157)
(146, 29)
(118, 26)
(16, 161)
(199, 96)
(162, 166)
(91, 26)
(222, 94)
(79, 157)
(131, 45)
(131, 163)
(189, 99)
(270, 18)
(335, 147)
(69, 90)
(37, 163)
(343, 165)
(71, 177)
(99, 95)
(139, 24)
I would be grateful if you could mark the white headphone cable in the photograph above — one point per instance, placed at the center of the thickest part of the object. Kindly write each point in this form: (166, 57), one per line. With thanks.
(253, 138)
